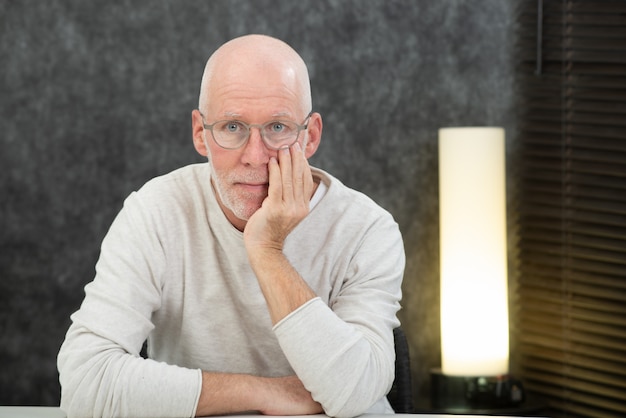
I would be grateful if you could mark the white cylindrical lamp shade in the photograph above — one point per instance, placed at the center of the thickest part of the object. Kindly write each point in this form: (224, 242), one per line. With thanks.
(473, 252)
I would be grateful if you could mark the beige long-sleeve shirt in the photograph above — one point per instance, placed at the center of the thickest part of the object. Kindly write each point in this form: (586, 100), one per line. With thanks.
(174, 271)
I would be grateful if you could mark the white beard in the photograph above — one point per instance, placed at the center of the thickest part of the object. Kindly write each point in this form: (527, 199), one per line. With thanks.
(243, 205)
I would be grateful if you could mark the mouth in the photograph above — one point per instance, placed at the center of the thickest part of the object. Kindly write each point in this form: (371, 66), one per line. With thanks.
(254, 187)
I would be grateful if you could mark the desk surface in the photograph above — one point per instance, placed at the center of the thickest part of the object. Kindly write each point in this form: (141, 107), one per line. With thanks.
(30, 412)
(55, 412)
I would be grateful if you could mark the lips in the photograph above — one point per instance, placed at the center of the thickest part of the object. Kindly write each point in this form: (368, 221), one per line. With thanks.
(253, 187)
(252, 183)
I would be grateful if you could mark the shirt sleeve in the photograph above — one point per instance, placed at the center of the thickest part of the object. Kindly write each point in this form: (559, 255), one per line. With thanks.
(100, 369)
(344, 351)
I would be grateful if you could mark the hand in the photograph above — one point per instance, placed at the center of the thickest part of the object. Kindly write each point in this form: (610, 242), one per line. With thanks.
(287, 203)
(288, 396)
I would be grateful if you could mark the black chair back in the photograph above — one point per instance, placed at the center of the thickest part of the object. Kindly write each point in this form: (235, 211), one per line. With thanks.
(400, 396)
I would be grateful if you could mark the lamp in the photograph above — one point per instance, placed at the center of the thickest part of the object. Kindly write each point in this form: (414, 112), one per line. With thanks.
(473, 263)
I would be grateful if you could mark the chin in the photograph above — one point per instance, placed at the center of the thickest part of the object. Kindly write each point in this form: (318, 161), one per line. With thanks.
(245, 212)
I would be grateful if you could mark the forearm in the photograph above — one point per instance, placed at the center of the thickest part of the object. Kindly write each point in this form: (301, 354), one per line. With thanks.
(224, 393)
(282, 286)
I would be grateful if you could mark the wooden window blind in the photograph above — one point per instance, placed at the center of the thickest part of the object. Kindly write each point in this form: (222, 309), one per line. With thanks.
(570, 295)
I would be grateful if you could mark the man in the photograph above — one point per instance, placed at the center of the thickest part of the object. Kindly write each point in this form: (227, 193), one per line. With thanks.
(261, 284)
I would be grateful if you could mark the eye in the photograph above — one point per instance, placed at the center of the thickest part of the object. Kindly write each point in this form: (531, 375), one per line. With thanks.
(232, 126)
(277, 127)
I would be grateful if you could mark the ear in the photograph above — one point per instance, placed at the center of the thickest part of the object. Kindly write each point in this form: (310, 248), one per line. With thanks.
(314, 129)
(197, 132)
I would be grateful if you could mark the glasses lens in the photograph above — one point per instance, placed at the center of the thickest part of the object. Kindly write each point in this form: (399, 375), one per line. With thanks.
(279, 134)
(230, 133)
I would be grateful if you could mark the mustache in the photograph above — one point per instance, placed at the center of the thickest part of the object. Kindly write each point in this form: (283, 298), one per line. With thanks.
(248, 177)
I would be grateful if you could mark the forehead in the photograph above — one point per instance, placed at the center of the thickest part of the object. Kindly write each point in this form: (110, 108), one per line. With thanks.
(248, 93)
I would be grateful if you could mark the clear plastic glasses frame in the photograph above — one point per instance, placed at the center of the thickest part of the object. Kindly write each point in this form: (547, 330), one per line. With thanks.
(276, 134)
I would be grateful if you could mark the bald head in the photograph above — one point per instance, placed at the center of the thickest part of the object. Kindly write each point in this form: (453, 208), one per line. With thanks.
(253, 65)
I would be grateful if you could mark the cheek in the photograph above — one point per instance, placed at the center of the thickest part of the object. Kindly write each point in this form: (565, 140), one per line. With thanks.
(221, 159)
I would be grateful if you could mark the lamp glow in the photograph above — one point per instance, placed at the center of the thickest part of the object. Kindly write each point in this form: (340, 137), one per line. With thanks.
(473, 251)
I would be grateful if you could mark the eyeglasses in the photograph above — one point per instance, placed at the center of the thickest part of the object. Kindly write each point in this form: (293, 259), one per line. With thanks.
(277, 134)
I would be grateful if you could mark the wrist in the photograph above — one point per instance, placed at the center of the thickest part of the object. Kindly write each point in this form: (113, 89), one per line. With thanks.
(225, 393)
(265, 255)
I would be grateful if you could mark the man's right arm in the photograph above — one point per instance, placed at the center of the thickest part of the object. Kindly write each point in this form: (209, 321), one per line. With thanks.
(99, 378)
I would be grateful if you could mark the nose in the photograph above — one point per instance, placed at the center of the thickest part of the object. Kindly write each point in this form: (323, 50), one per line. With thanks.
(255, 152)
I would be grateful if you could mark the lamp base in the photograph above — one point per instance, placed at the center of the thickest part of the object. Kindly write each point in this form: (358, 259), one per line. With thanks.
(475, 392)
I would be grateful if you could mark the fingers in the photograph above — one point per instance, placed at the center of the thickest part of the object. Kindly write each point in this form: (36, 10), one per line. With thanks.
(286, 171)
(287, 201)
(275, 190)
(297, 181)
(298, 173)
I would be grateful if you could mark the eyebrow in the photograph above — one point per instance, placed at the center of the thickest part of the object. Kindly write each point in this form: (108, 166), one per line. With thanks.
(237, 116)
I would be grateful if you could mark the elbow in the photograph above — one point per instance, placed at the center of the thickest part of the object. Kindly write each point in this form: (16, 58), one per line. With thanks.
(347, 409)
(345, 412)
(360, 398)
(71, 409)
(76, 401)
(355, 393)
(82, 392)
(68, 390)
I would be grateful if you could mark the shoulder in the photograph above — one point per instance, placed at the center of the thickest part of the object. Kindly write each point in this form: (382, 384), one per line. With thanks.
(344, 212)
(188, 182)
(187, 178)
(175, 195)
(349, 202)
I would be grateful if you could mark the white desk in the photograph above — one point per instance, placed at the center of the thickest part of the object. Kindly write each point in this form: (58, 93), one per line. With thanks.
(30, 412)
(55, 412)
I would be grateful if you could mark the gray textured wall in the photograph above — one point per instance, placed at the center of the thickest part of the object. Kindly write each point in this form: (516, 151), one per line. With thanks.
(95, 99)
